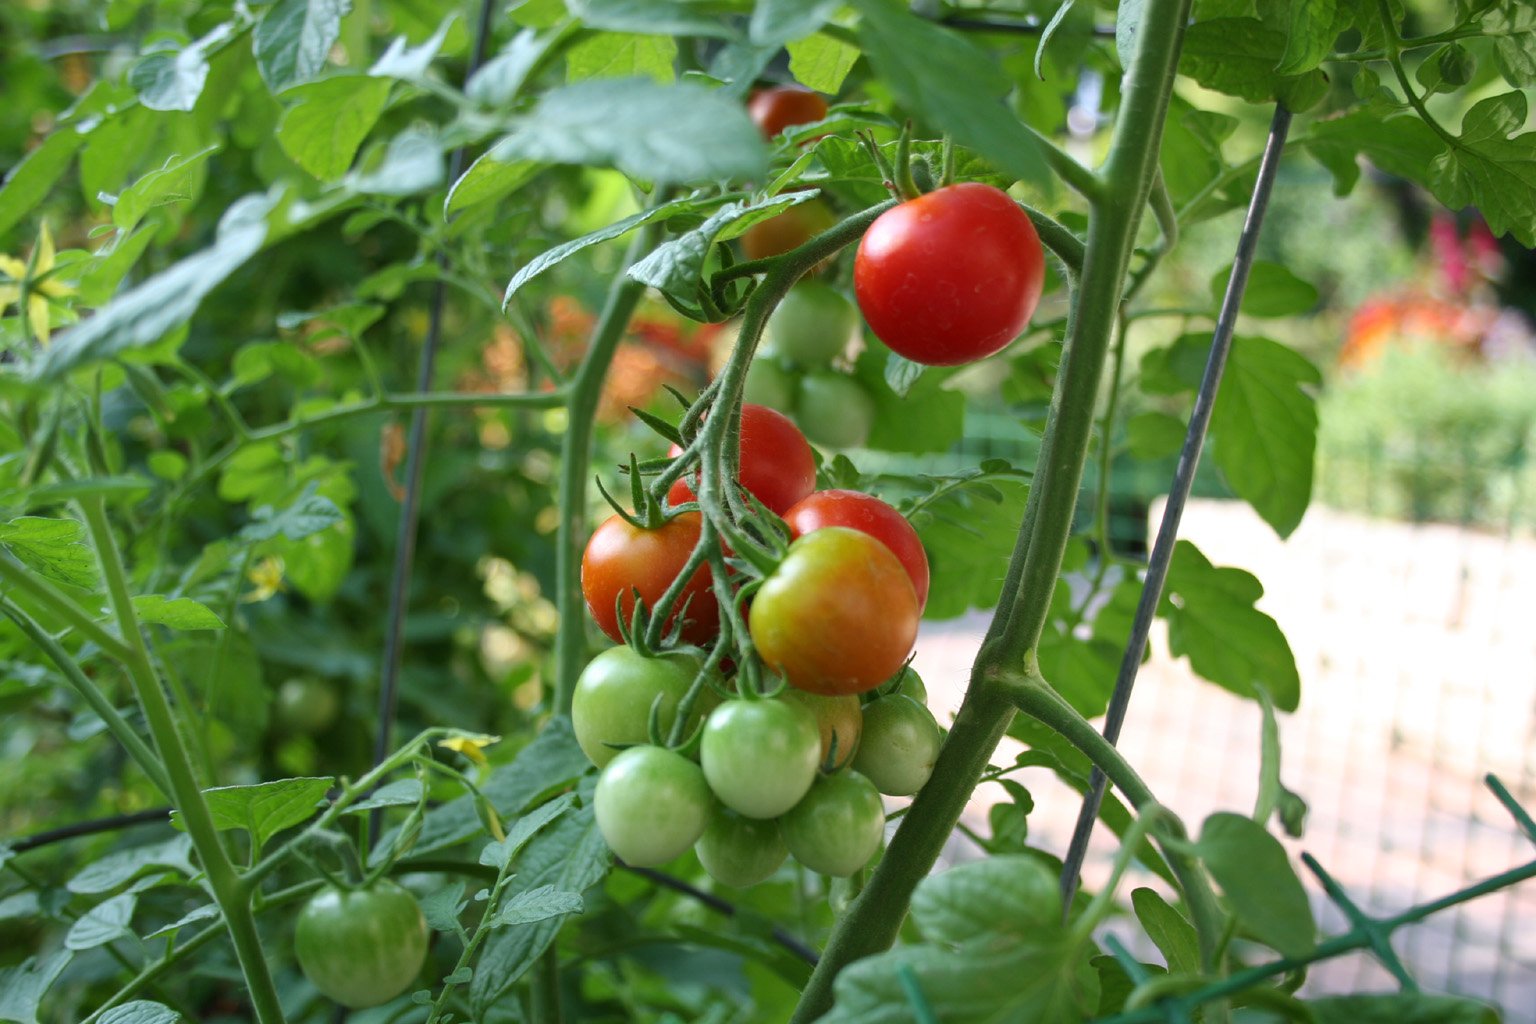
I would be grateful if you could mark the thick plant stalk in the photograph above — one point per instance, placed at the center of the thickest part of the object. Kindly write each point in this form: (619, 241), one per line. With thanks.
(229, 891)
(873, 920)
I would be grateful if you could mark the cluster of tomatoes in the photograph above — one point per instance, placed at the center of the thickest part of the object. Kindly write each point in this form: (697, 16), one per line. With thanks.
(799, 772)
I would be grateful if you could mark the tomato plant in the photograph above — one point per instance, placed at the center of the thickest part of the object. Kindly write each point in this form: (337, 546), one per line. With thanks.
(901, 743)
(361, 947)
(651, 805)
(812, 325)
(838, 615)
(622, 559)
(777, 464)
(952, 276)
(778, 107)
(837, 828)
(834, 409)
(611, 707)
(760, 755)
(788, 230)
(740, 851)
(306, 705)
(839, 721)
(867, 514)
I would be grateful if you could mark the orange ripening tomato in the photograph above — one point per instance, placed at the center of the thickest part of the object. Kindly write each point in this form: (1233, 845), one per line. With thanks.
(622, 558)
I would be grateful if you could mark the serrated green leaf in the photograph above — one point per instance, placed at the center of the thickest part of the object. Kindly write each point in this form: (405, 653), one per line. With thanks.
(175, 612)
(1154, 435)
(170, 80)
(1239, 56)
(177, 180)
(146, 314)
(411, 63)
(565, 250)
(206, 912)
(673, 133)
(326, 121)
(106, 922)
(266, 808)
(927, 418)
(901, 373)
(676, 265)
(1001, 898)
(1492, 168)
(1273, 290)
(956, 86)
(1259, 884)
(29, 181)
(1173, 935)
(400, 793)
(497, 83)
(1399, 144)
(621, 55)
(310, 513)
(539, 904)
(968, 544)
(1312, 29)
(55, 548)
(1212, 620)
(1512, 24)
(22, 987)
(776, 22)
(497, 854)
(140, 1011)
(294, 38)
(488, 180)
(821, 62)
(120, 867)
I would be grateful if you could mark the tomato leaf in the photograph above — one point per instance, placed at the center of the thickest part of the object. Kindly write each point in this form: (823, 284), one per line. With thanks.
(29, 181)
(676, 265)
(956, 86)
(294, 38)
(326, 121)
(535, 905)
(621, 54)
(1512, 24)
(266, 808)
(178, 180)
(120, 867)
(1492, 168)
(821, 62)
(175, 612)
(400, 793)
(105, 922)
(22, 987)
(969, 539)
(1154, 435)
(411, 63)
(657, 17)
(1240, 57)
(497, 854)
(1399, 144)
(140, 1011)
(1212, 619)
(55, 548)
(670, 133)
(1402, 1008)
(309, 513)
(1011, 897)
(1272, 291)
(1256, 877)
(206, 912)
(776, 22)
(1167, 928)
(617, 229)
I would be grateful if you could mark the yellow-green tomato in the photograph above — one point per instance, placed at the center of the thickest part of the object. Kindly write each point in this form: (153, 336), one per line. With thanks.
(837, 828)
(760, 756)
(361, 947)
(839, 719)
(739, 851)
(900, 743)
(651, 804)
(611, 705)
(812, 325)
(834, 410)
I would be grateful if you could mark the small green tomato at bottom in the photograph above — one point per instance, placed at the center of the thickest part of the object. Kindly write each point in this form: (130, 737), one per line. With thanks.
(363, 947)
(900, 744)
(837, 828)
(651, 804)
(739, 851)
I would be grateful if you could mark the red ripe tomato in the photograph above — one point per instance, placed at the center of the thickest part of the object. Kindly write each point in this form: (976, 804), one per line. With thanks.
(622, 558)
(776, 460)
(950, 277)
(838, 615)
(867, 514)
(775, 109)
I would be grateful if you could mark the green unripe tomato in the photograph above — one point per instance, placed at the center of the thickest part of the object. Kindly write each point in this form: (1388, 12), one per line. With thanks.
(651, 805)
(769, 383)
(837, 828)
(306, 705)
(838, 717)
(912, 685)
(812, 325)
(834, 410)
(364, 947)
(612, 700)
(901, 742)
(739, 851)
(760, 756)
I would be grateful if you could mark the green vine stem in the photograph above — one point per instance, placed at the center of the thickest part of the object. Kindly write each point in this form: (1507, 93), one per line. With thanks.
(226, 886)
(92, 695)
(586, 388)
(874, 918)
(62, 605)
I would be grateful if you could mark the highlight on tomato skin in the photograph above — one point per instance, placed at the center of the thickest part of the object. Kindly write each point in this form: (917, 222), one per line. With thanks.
(950, 277)
(622, 558)
(838, 615)
(778, 466)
